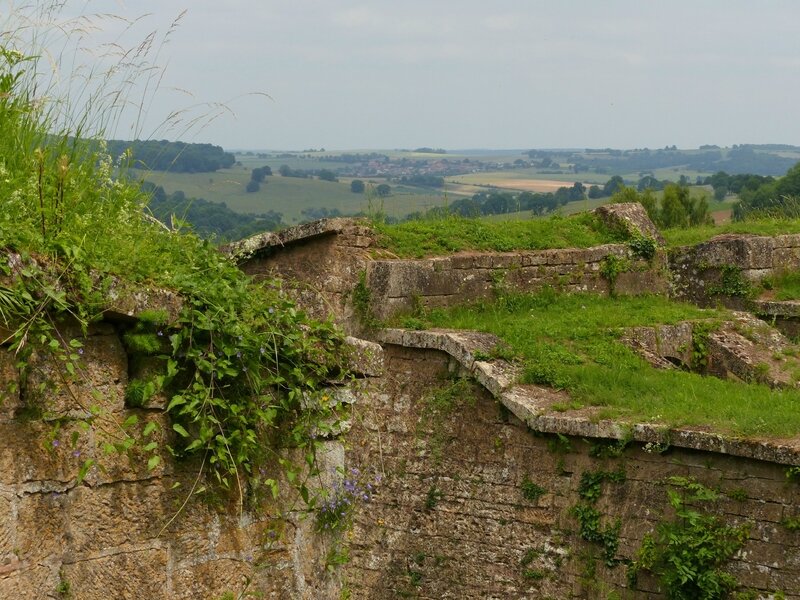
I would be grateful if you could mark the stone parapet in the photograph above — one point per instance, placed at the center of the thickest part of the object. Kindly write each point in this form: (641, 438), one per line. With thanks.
(534, 404)
(403, 285)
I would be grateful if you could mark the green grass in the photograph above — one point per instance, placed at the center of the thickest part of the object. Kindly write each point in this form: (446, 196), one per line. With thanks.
(416, 239)
(571, 342)
(288, 195)
(697, 235)
(235, 342)
(570, 208)
(784, 285)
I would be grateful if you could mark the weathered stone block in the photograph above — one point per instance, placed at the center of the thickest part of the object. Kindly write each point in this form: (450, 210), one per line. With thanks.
(98, 383)
(130, 465)
(365, 358)
(126, 300)
(42, 532)
(7, 529)
(630, 217)
(213, 578)
(635, 283)
(126, 573)
(20, 579)
(9, 385)
(37, 454)
(112, 515)
(462, 261)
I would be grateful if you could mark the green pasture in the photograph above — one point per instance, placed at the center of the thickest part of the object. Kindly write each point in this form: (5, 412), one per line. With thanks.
(290, 195)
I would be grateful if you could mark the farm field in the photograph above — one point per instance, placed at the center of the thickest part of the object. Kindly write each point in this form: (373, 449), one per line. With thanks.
(300, 199)
(289, 196)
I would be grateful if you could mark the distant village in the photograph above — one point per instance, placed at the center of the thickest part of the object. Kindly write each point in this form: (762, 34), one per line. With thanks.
(381, 165)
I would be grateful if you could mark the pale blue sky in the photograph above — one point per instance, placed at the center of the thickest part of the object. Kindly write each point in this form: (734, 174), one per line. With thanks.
(469, 73)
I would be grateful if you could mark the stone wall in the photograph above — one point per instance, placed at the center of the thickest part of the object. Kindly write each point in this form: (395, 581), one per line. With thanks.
(319, 263)
(450, 519)
(697, 271)
(322, 263)
(401, 285)
(125, 531)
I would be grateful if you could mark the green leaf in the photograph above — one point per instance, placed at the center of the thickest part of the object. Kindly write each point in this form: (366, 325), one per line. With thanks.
(177, 400)
(84, 470)
(180, 430)
(153, 462)
(149, 428)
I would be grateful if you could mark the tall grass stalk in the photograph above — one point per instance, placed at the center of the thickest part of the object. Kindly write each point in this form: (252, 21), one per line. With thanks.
(248, 355)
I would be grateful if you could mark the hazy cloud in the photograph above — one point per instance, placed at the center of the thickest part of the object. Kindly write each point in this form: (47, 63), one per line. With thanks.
(469, 73)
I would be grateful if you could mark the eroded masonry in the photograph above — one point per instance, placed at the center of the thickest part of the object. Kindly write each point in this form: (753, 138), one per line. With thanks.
(480, 486)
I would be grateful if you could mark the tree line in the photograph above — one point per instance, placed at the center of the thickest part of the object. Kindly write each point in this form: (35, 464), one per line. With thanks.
(176, 157)
(771, 198)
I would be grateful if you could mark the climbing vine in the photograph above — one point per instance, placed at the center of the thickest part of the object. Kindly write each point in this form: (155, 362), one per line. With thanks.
(243, 370)
(591, 527)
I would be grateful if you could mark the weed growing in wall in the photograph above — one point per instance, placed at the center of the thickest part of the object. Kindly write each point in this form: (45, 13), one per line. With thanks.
(436, 410)
(732, 283)
(362, 302)
(611, 267)
(433, 497)
(242, 368)
(590, 525)
(335, 512)
(531, 491)
(689, 552)
(643, 247)
(700, 332)
(610, 448)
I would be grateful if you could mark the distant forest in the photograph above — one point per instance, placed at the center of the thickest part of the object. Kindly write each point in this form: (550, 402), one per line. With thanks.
(177, 157)
(763, 159)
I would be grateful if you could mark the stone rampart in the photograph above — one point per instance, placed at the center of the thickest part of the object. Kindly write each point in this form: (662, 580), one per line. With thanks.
(480, 480)
(479, 491)
(323, 263)
(715, 270)
(400, 286)
(80, 520)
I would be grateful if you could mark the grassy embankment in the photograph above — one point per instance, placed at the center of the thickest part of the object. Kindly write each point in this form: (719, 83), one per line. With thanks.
(571, 342)
(416, 239)
(696, 235)
(503, 233)
(782, 286)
